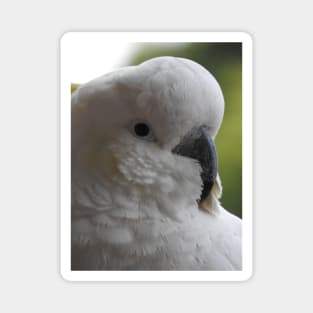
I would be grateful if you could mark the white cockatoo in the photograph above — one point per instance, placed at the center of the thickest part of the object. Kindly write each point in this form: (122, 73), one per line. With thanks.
(145, 187)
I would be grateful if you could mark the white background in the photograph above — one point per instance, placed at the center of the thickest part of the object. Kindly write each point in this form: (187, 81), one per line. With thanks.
(29, 167)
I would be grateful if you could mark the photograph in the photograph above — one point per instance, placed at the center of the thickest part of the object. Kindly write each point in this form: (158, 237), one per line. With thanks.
(156, 156)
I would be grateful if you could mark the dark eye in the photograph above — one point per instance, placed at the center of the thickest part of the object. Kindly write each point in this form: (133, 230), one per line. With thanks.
(141, 129)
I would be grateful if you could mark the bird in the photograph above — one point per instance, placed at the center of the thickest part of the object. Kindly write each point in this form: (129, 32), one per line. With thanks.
(145, 188)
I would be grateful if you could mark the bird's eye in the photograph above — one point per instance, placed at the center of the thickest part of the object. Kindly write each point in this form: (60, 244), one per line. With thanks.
(142, 130)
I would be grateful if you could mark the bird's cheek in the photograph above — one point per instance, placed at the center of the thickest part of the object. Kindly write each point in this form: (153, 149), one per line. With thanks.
(105, 163)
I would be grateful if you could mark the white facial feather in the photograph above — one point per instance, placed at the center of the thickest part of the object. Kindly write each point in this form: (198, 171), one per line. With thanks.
(171, 95)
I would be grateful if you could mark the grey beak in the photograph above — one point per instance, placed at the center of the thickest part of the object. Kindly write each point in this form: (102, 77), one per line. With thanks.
(198, 145)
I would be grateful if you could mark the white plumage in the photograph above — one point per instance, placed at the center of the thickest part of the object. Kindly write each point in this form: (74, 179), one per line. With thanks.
(133, 200)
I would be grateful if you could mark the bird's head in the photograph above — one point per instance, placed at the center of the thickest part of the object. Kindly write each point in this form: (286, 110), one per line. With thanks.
(151, 128)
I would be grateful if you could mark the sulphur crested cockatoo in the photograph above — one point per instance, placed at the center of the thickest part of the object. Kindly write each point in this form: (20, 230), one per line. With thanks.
(145, 187)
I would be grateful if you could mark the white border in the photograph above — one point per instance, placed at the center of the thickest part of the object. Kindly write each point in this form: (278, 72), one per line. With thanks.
(65, 175)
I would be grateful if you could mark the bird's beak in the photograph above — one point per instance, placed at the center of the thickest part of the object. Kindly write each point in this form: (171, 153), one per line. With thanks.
(198, 145)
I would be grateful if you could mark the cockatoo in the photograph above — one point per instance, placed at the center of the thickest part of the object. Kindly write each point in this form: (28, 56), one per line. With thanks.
(145, 188)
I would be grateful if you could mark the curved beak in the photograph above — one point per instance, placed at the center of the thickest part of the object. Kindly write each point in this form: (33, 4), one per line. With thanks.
(198, 145)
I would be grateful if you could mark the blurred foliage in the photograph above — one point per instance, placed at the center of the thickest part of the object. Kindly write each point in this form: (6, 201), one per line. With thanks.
(224, 61)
